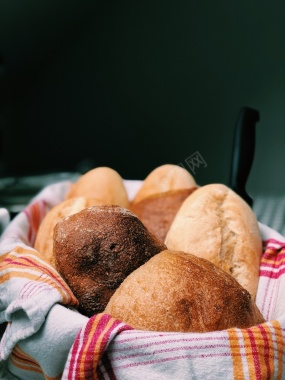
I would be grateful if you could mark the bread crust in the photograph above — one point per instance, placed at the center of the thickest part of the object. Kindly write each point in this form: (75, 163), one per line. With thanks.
(102, 183)
(157, 211)
(44, 238)
(177, 291)
(218, 225)
(165, 178)
(97, 248)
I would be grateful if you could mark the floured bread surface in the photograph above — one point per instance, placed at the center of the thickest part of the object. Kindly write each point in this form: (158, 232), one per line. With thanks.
(177, 291)
(218, 225)
(97, 248)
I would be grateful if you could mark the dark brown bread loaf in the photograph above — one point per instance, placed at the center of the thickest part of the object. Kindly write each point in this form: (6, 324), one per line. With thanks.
(44, 237)
(97, 248)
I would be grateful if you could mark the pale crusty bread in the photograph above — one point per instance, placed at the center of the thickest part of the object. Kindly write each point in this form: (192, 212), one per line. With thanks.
(217, 224)
(164, 178)
(177, 291)
(44, 237)
(102, 183)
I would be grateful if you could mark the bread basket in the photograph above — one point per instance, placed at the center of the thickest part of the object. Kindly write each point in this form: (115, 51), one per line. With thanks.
(46, 338)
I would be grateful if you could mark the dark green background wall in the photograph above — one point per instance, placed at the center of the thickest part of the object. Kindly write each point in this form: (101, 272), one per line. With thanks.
(136, 84)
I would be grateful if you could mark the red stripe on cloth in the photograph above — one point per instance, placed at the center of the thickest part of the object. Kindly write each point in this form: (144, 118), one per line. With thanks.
(84, 352)
(272, 263)
(161, 359)
(169, 350)
(277, 259)
(76, 352)
(267, 243)
(266, 353)
(52, 278)
(271, 274)
(89, 347)
(72, 357)
(105, 326)
(255, 353)
(93, 350)
(35, 214)
(279, 337)
(32, 288)
(169, 338)
(271, 253)
(29, 263)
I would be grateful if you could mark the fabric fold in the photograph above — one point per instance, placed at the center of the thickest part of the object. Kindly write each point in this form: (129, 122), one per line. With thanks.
(86, 358)
(29, 287)
(46, 338)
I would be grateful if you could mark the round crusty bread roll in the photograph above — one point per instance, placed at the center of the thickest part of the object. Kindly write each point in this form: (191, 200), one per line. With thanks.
(177, 291)
(217, 224)
(44, 238)
(97, 248)
(164, 178)
(102, 183)
(157, 211)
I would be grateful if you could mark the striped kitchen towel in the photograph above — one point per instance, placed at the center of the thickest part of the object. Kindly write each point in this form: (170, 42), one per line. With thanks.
(108, 349)
(46, 338)
(36, 304)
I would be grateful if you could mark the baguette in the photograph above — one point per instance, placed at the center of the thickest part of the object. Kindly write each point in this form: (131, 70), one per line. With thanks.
(217, 224)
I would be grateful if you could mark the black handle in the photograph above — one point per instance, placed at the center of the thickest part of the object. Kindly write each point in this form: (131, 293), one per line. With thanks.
(243, 151)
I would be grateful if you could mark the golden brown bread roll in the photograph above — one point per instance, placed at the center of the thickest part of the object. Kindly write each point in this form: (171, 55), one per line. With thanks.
(217, 224)
(157, 211)
(97, 248)
(44, 237)
(165, 178)
(177, 291)
(102, 183)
